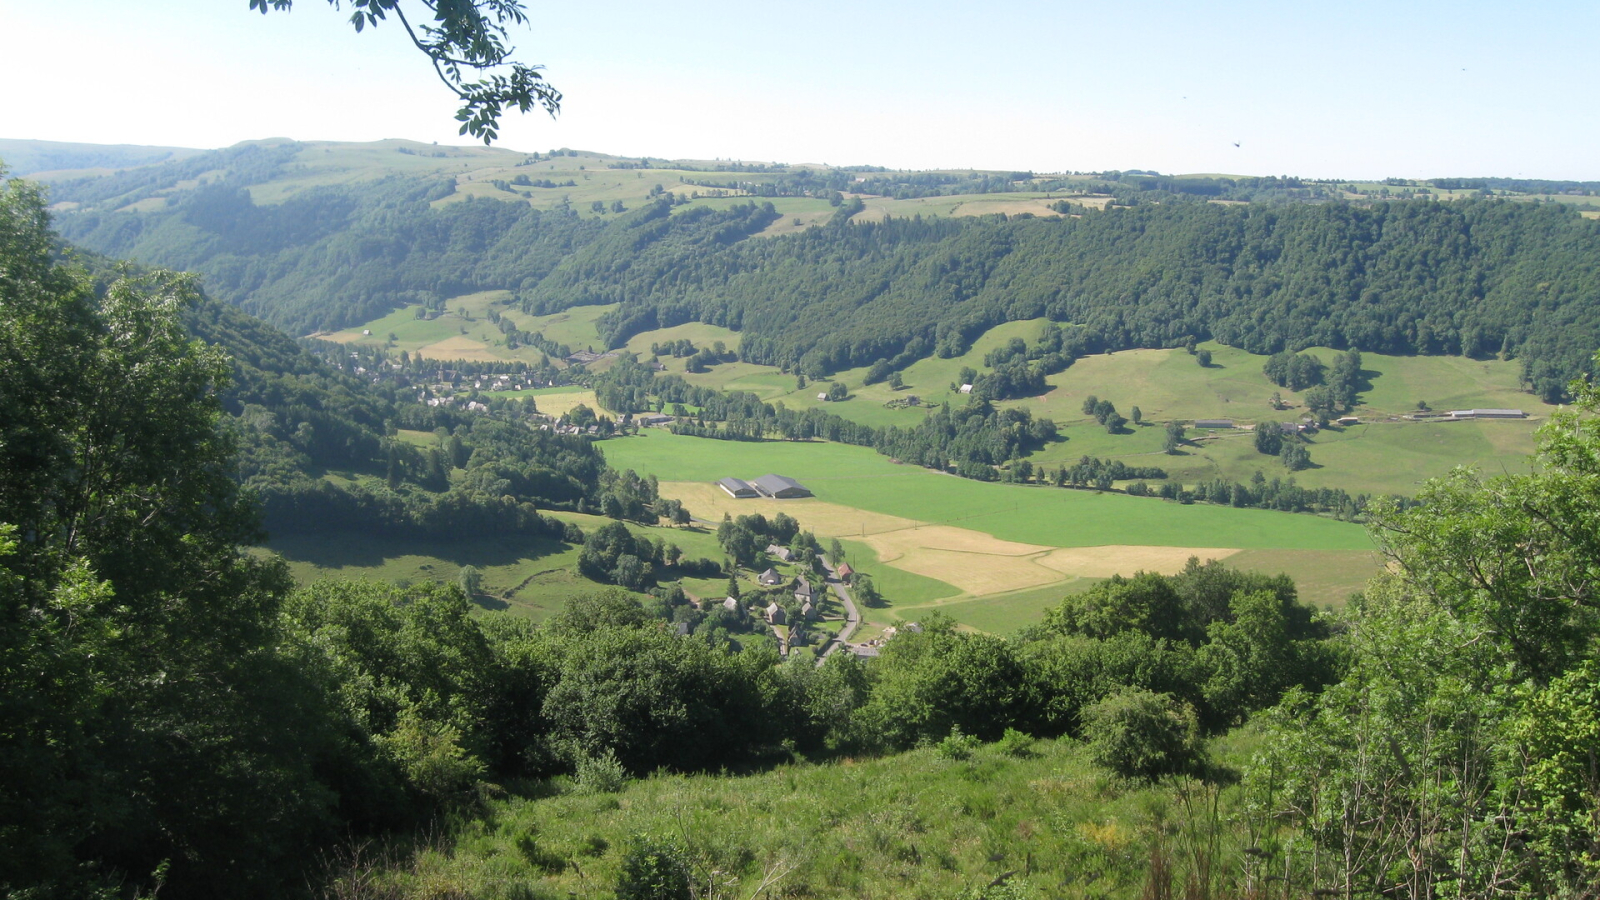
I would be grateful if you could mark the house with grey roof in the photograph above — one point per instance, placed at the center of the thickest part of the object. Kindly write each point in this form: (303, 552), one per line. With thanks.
(770, 577)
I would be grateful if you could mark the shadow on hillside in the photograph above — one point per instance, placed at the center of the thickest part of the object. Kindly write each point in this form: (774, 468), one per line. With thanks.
(492, 604)
(339, 550)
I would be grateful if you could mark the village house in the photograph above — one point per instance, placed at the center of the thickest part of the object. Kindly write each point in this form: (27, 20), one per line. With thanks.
(802, 591)
(770, 577)
(844, 572)
(775, 615)
(782, 553)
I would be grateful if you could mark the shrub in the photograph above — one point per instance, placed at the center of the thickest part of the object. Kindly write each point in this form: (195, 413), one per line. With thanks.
(956, 745)
(1143, 735)
(653, 869)
(600, 774)
(1016, 743)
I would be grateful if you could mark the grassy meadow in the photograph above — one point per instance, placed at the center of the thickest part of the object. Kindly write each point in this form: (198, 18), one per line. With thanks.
(532, 577)
(915, 824)
(463, 330)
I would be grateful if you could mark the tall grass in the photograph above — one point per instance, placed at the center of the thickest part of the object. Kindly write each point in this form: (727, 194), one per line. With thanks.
(995, 822)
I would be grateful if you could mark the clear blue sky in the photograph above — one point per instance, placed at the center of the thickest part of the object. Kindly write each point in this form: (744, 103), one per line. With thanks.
(1356, 89)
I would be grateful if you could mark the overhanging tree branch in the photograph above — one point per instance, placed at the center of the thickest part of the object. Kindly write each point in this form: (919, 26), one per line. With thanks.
(467, 46)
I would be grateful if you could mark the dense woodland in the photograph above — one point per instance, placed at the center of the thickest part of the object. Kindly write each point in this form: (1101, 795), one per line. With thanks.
(1476, 278)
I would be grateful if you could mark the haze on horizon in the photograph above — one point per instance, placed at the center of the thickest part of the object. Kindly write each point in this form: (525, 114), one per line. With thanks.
(1371, 90)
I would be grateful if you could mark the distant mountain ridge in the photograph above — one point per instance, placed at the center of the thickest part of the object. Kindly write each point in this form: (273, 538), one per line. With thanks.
(32, 158)
(862, 264)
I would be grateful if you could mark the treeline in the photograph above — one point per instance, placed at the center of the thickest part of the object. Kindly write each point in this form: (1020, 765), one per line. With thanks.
(1281, 494)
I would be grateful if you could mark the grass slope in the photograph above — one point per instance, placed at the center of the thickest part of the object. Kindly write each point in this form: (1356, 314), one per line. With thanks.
(529, 577)
(910, 825)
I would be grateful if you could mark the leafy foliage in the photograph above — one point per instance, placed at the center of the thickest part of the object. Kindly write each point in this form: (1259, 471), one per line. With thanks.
(464, 41)
(1464, 719)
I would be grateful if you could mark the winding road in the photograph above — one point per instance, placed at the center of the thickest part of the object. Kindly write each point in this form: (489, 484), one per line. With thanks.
(852, 618)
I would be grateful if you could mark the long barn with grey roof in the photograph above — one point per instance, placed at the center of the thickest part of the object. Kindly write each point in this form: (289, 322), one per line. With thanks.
(737, 487)
(780, 487)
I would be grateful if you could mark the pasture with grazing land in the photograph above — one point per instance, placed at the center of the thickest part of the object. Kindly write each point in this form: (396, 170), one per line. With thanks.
(945, 539)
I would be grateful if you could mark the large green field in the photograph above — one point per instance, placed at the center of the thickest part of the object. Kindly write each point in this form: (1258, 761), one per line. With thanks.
(860, 478)
(930, 522)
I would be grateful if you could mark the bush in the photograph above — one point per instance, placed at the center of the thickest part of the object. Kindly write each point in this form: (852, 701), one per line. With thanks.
(600, 774)
(653, 869)
(1143, 735)
(956, 745)
(1016, 743)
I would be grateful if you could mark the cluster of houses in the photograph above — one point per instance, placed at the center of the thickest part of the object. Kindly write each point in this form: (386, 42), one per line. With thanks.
(503, 383)
(776, 487)
(472, 405)
(570, 429)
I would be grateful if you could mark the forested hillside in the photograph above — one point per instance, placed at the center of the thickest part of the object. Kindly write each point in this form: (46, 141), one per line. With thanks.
(1470, 277)
(328, 256)
(1474, 278)
(295, 418)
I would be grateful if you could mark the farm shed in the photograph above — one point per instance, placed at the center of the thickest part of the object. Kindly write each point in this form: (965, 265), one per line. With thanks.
(1488, 414)
(780, 487)
(737, 488)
